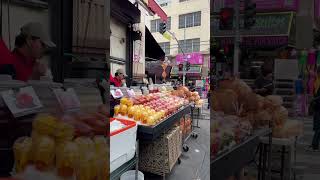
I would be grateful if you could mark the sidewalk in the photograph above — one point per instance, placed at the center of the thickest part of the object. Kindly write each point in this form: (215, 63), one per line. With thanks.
(195, 164)
(310, 161)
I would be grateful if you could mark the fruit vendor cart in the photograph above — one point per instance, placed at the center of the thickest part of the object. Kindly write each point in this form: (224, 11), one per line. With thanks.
(161, 142)
(231, 160)
(69, 118)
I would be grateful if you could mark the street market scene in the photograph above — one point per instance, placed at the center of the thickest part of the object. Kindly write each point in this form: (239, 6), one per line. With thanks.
(265, 72)
(159, 83)
(53, 112)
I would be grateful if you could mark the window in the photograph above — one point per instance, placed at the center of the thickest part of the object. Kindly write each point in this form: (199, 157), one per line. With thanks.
(164, 4)
(155, 25)
(190, 20)
(191, 45)
(165, 47)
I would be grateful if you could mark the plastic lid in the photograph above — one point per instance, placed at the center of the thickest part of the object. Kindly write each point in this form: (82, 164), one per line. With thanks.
(80, 82)
(9, 84)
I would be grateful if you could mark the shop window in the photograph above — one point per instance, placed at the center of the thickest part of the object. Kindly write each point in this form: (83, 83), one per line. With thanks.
(155, 25)
(163, 3)
(189, 45)
(165, 47)
(190, 20)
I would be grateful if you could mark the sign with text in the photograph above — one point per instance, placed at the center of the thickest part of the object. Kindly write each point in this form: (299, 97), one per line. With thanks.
(270, 41)
(131, 92)
(117, 93)
(22, 102)
(269, 5)
(192, 58)
(267, 24)
(68, 100)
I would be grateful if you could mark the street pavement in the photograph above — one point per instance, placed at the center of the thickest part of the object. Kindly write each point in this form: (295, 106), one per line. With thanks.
(309, 162)
(195, 164)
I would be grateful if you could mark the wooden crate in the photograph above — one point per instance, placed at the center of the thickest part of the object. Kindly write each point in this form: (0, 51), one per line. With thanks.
(160, 156)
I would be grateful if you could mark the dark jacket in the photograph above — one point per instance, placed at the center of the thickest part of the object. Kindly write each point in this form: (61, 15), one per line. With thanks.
(316, 110)
(261, 82)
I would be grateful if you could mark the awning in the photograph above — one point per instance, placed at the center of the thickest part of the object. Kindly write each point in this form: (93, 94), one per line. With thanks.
(156, 9)
(125, 11)
(153, 50)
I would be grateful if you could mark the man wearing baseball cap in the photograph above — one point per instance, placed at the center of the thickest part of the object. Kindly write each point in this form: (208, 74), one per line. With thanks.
(30, 45)
(119, 79)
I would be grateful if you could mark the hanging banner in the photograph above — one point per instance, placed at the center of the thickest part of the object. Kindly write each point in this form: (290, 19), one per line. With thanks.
(267, 24)
(192, 58)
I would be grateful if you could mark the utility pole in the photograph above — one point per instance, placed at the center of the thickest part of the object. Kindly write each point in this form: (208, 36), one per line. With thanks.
(237, 38)
(184, 55)
(184, 59)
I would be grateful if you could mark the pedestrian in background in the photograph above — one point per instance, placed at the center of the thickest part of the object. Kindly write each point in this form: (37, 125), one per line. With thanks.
(315, 103)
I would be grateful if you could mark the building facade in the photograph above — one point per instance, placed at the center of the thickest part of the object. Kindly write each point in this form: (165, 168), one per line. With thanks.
(189, 22)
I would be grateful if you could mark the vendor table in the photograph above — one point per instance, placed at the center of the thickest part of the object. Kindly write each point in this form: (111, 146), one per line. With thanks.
(231, 162)
(151, 133)
(288, 146)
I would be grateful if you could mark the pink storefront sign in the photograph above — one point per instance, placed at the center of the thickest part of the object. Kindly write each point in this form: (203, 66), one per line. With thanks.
(192, 58)
(267, 5)
(316, 8)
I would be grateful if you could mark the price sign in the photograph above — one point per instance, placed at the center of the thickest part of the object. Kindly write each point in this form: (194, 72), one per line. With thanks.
(22, 102)
(68, 100)
(116, 93)
(131, 92)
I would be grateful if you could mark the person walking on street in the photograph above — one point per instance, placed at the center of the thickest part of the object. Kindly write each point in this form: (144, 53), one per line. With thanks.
(315, 103)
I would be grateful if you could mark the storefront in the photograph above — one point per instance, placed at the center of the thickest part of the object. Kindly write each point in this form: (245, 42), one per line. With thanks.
(123, 15)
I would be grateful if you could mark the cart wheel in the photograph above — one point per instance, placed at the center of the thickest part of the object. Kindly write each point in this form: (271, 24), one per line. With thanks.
(195, 136)
(179, 161)
(185, 148)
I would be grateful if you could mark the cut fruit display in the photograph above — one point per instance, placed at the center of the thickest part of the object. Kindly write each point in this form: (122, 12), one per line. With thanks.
(71, 146)
(150, 109)
(237, 110)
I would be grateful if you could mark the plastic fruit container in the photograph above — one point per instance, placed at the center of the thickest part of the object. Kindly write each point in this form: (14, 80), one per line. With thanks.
(87, 168)
(45, 124)
(123, 109)
(67, 156)
(117, 110)
(22, 153)
(43, 153)
(131, 111)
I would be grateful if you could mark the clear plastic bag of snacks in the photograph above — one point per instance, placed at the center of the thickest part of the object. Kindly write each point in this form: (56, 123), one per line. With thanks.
(22, 149)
